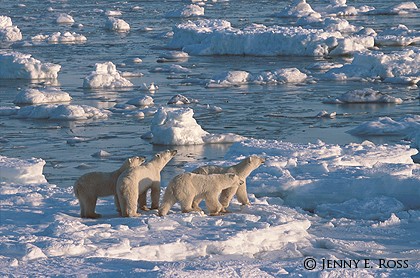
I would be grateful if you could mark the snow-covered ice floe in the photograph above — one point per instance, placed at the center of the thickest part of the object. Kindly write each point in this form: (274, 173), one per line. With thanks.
(64, 19)
(13, 170)
(37, 96)
(367, 95)
(105, 76)
(58, 37)
(15, 65)
(218, 37)
(176, 126)
(187, 11)
(9, 32)
(396, 67)
(117, 24)
(237, 78)
(398, 36)
(65, 112)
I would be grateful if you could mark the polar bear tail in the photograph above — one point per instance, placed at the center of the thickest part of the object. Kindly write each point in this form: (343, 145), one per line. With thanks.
(76, 189)
(168, 201)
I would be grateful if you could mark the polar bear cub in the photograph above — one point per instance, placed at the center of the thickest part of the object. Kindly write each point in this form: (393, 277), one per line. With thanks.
(92, 185)
(242, 169)
(186, 187)
(133, 184)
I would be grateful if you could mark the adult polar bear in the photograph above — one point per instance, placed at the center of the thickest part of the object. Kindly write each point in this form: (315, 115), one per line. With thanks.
(185, 187)
(242, 169)
(92, 185)
(133, 184)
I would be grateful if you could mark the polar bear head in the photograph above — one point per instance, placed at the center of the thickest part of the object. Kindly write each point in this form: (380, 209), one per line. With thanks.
(162, 158)
(134, 161)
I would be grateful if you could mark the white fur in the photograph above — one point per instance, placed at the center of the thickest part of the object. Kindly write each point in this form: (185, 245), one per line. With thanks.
(242, 169)
(92, 185)
(186, 187)
(133, 184)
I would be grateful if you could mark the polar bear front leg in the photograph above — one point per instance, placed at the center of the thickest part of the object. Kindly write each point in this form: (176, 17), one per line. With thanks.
(212, 203)
(142, 201)
(155, 195)
(226, 196)
(242, 195)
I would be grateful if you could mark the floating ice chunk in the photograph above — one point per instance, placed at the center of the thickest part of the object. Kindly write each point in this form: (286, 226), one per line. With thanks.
(141, 101)
(35, 96)
(384, 126)
(299, 8)
(67, 37)
(131, 74)
(238, 78)
(398, 36)
(325, 114)
(113, 13)
(105, 76)
(171, 69)
(62, 112)
(367, 95)
(101, 154)
(15, 65)
(176, 126)
(280, 76)
(173, 56)
(64, 19)
(217, 37)
(8, 111)
(323, 66)
(180, 99)
(116, 24)
(8, 32)
(229, 79)
(22, 171)
(397, 67)
(339, 24)
(187, 11)
(151, 88)
(402, 8)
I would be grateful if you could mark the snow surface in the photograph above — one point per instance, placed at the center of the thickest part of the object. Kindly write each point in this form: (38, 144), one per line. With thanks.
(64, 19)
(105, 76)
(16, 65)
(372, 213)
(177, 126)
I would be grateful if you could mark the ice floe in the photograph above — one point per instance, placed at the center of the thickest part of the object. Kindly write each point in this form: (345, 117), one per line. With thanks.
(367, 95)
(238, 78)
(20, 171)
(37, 96)
(16, 65)
(65, 112)
(187, 11)
(58, 37)
(177, 126)
(105, 76)
(218, 37)
(116, 24)
(64, 19)
(396, 67)
(9, 32)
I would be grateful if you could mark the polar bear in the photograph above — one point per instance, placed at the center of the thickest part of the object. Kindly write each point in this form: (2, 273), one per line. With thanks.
(92, 185)
(186, 187)
(242, 169)
(133, 184)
